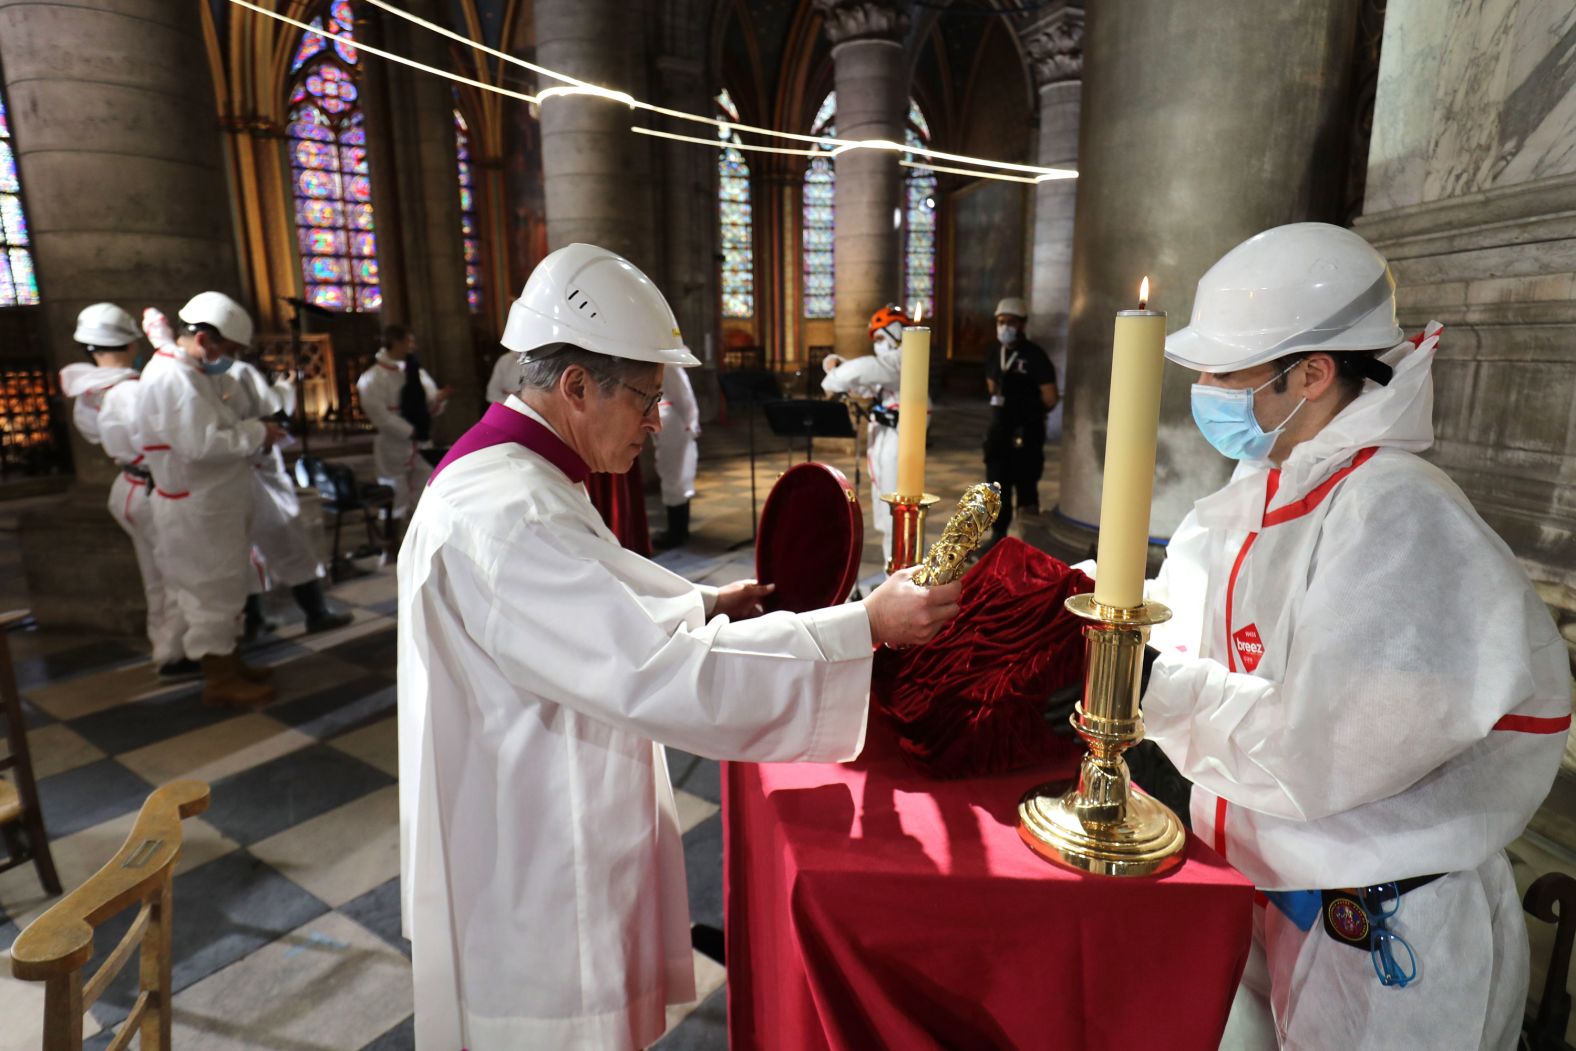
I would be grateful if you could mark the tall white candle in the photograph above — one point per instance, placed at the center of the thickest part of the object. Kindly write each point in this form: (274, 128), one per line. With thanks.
(1137, 361)
(914, 407)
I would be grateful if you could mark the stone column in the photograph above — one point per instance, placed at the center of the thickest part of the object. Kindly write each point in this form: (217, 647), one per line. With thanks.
(1055, 48)
(872, 87)
(1172, 178)
(597, 173)
(420, 192)
(113, 118)
(117, 138)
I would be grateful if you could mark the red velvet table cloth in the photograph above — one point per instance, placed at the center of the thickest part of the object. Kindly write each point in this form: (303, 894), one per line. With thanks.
(868, 907)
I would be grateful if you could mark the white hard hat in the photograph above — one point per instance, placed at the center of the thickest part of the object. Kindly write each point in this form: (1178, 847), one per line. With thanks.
(1014, 306)
(598, 301)
(1302, 287)
(106, 326)
(222, 312)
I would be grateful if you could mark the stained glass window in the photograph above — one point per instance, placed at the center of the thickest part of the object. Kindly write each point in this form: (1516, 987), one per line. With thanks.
(820, 220)
(18, 284)
(470, 227)
(919, 225)
(733, 207)
(332, 187)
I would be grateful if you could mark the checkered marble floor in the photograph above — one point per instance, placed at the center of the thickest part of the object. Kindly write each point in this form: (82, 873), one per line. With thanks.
(286, 895)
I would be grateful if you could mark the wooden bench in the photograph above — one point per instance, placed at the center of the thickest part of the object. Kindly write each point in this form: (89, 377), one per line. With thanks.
(59, 944)
(21, 820)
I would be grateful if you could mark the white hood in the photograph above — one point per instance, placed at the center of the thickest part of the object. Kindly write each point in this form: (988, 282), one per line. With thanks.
(80, 378)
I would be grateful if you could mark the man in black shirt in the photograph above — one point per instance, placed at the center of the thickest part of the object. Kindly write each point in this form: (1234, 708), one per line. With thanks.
(1022, 385)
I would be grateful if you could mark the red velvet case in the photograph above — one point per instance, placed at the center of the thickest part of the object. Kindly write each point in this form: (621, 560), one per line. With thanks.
(811, 536)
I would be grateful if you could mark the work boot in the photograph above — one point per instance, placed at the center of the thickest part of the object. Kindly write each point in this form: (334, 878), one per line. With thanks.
(226, 686)
(314, 604)
(254, 623)
(678, 527)
(179, 669)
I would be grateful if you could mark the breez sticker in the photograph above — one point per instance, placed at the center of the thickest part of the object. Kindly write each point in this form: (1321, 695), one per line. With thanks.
(1250, 648)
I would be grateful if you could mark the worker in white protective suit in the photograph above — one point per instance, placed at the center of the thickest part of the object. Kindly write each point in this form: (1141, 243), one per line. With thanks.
(396, 451)
(282, 548)
(105, 390)
(200, 452)
(505, 377)
(542, 667)
(677, 454)
(877, 377)
(1364, 688)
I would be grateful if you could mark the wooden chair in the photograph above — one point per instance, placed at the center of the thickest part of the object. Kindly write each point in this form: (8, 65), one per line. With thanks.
(1546, 1032)
(59, 944)
(21, 820)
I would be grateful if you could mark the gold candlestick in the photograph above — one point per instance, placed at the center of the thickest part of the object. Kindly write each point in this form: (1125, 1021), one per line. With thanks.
(1101, 825)
(908, 528)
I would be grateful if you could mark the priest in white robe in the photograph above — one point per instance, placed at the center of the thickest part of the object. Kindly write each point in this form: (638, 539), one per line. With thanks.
(543, 667)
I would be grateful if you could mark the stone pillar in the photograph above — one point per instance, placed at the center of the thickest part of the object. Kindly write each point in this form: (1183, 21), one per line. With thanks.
(597, 173)
(1055, 48)
(117, 135)
(419, 192)
(872, 89)
(117, 138)
(688, 223)
(1172, 178)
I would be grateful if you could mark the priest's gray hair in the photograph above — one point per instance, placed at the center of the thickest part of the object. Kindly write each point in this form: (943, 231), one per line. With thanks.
(544, 366)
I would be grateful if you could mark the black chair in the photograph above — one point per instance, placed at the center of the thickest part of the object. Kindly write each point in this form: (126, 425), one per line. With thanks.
(342, 493)
(1546, 1032)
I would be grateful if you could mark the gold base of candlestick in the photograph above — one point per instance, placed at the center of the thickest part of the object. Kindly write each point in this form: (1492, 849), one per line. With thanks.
(908, 528)
(1101, 825)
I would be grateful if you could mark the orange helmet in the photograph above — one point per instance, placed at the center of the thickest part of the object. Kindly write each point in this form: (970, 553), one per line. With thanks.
(890, 319)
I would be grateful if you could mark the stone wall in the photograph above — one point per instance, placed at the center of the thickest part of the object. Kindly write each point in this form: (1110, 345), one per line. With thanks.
(1471, 193)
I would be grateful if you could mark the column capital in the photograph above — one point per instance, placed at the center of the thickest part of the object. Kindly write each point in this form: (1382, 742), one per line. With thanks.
(845, 20)
(1055, 46)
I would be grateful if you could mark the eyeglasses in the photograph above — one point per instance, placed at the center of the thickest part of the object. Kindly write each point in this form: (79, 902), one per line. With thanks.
(1383, 942)
(650, 399)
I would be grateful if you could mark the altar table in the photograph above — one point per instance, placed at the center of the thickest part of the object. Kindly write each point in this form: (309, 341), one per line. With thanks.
(868, 907)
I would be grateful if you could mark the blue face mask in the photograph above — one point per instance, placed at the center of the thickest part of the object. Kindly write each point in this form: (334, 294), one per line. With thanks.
(1226, 418)
(218, 368)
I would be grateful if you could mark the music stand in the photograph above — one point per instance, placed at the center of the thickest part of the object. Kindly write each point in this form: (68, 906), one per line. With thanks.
(745, 389)
(795, 418)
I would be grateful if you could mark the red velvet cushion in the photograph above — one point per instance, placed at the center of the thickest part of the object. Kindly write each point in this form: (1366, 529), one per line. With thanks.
(969, 701)
(811, 536)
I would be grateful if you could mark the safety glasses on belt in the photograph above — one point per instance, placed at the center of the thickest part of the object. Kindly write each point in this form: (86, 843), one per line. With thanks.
(1394, 961)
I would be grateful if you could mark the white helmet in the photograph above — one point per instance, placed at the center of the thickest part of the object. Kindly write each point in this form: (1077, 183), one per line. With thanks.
(105, 326)
(222, 312)
(1302, 287)
(598, 301)
(1013, 306)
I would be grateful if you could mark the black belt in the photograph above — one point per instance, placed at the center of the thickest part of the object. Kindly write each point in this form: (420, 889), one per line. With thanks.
(1345, 911)
(137, 474)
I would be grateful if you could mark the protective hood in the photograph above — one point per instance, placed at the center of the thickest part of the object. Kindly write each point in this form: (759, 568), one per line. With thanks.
(1399, 415)
(80, 378)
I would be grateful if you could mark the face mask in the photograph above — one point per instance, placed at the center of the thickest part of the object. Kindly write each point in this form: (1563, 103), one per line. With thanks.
(1007, 335)
(1226, 418)
(886, 348)
(218, 368)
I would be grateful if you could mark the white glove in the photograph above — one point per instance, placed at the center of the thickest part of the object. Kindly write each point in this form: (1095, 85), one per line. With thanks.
(157, 328)
(830, 362)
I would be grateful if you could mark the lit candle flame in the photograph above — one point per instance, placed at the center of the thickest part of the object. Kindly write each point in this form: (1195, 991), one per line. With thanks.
(919, 313)
(1143, 293)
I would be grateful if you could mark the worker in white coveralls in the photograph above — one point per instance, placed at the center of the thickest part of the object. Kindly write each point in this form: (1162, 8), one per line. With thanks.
(403, 422)
(200, 452)
(677, 454)
(876, 376)
(542, 667)
(1368, 694)
(287, 555)
(504, 379)
(105, 411)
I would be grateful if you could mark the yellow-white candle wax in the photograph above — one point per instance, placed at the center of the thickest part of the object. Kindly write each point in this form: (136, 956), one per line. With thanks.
(1137, 360)
(913, 408)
